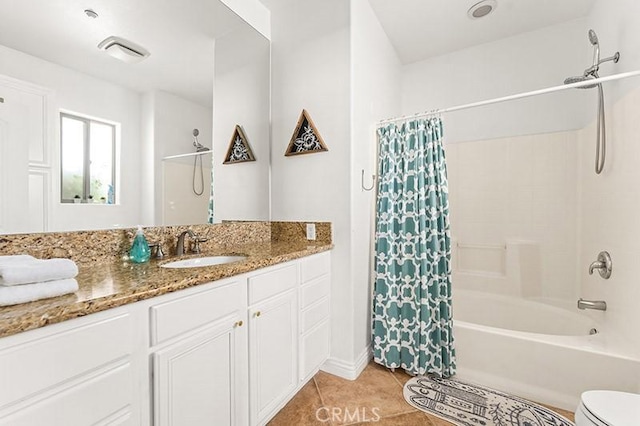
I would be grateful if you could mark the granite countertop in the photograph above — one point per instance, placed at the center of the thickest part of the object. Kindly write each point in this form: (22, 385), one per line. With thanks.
(111, 284)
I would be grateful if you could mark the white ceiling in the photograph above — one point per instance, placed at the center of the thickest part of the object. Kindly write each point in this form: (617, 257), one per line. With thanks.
(419, 29)
(179, 34)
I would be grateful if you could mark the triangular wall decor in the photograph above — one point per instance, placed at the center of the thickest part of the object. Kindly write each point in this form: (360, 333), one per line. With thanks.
(306, 139)
(239, 150)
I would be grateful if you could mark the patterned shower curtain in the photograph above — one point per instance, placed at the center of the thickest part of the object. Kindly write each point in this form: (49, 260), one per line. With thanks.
(412, 315)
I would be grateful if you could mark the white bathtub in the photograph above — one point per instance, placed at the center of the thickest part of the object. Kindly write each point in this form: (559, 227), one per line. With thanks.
(535, 350)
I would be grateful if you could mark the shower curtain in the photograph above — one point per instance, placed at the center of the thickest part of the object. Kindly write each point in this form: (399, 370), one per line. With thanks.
(412, 316)
(211, 212)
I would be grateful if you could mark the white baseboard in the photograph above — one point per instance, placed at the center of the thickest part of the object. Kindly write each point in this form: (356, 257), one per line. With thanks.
(347, 370)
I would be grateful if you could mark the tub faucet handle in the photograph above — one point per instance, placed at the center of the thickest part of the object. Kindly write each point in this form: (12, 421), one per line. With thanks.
(603, 265)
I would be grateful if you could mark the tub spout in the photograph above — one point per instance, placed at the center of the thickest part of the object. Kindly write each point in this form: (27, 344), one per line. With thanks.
(598, 305)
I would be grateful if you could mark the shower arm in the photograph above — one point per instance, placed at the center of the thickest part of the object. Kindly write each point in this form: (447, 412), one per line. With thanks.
(593, 70)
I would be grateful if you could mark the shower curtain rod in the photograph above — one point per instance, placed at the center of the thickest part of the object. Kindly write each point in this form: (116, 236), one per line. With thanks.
(514, 97)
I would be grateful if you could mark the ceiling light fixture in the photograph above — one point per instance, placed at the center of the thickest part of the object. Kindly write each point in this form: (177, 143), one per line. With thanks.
(482, 9)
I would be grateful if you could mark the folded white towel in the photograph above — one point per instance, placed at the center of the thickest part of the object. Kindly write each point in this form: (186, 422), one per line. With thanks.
(29, 292)
(25, 271)
(14, 259)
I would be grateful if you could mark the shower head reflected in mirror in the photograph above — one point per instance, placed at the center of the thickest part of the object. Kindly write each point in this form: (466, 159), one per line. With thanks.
(197, 144)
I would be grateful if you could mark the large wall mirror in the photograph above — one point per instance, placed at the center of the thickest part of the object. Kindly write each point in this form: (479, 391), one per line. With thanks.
(95, 138)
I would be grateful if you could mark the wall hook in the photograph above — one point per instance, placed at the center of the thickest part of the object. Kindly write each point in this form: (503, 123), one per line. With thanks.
(373, 183)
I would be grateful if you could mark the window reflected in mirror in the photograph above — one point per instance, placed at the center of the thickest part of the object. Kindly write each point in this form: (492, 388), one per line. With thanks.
(88, 151)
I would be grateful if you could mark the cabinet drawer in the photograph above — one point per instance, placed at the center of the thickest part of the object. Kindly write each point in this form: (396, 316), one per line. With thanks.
(31, 367)
(178, 316)
(315, 315)
(272, 283)
(314, 291)
(314, 350)
(315, 266)
(102, 399)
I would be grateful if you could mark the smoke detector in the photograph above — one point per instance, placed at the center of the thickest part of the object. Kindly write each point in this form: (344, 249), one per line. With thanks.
(124, 50)
(482, 9)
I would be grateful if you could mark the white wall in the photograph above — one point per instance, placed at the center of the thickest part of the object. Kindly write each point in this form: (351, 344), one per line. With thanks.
(311, 69)
(617, 24)
(375, 95)
(252, 12)
(80, 93)
(525, 62)
(242, 88)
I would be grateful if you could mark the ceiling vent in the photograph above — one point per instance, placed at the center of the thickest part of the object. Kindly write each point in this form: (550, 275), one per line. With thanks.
(124, 50)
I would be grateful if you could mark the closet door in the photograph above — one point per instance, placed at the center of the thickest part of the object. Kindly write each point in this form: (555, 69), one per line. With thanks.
(25, 168)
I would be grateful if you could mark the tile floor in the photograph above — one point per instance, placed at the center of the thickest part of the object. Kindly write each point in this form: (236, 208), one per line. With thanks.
(374, 398)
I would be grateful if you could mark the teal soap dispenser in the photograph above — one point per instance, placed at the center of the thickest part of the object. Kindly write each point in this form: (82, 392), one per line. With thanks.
(140, 251)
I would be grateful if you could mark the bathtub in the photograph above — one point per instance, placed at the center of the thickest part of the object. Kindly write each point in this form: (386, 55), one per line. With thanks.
(536, 351)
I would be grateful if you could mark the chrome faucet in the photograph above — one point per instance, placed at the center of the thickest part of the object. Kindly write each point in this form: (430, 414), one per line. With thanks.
(598, 305)
(603, 265)
(195, 239)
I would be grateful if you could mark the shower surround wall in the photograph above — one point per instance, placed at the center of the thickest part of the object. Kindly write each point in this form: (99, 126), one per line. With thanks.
(609, 204)
(516, 190)
(173, 120)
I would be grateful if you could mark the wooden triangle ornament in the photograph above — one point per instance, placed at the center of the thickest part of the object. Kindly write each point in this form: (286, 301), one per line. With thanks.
(239, 150)
(306, 139)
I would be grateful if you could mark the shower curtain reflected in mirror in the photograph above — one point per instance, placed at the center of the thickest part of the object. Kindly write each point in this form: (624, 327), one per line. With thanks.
(412, 314)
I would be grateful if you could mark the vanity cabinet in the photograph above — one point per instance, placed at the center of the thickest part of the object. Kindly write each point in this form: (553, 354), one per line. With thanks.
(231, 352)
(80, 372)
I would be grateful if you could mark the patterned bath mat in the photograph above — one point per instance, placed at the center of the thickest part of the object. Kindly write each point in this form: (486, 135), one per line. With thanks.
(464, 404)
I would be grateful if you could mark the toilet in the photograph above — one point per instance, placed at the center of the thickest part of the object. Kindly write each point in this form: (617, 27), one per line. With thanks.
(608, 408)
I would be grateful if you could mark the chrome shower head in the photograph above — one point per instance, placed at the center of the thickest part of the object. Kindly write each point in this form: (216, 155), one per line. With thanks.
(579, 79)
(197, 144)
(593, 38)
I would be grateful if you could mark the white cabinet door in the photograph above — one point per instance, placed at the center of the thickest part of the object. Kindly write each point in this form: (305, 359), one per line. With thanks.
(199, 380)
(273, 354)
(24, 191)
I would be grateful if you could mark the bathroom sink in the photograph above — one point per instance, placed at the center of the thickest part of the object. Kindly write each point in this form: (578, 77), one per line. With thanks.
(203, 261)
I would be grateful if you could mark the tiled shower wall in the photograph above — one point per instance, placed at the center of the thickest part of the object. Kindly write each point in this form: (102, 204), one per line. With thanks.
(610, 220)
(517, 189)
